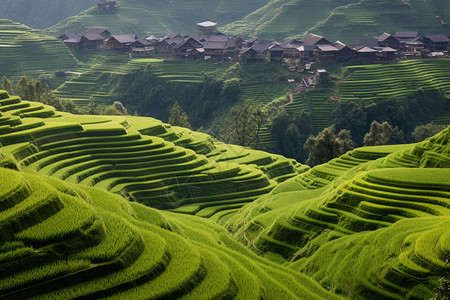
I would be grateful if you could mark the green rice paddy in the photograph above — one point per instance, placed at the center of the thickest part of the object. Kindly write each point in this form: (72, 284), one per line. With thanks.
(218, 221)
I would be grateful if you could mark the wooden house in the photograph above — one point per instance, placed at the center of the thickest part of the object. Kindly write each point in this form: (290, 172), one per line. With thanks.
(74, 43)
(214, 49)
(120, 42)
(404, 36)
(416, 45)
(344, 52)
(250, 42)
(67, 36)
(313, 39)
(325, 53)
(387, 40)
(248, 55)
(386, 53)
(182, 49)
(291, 49)
(206, 28)
(163, 48)
(307, 53)
(366, 53)
(103, 31)
(361, 43)
(436, 42)
(92, 41)
(276, 53)
(232, 47)
(104, 5)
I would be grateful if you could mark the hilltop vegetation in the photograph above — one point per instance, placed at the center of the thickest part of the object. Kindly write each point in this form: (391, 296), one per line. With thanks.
(42, 13)
(387, 205)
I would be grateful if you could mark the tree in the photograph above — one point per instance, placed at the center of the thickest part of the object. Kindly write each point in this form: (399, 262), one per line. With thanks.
(7, 85)
(326, 145)
(178, 116)
(243, 124)
(425, 131)
(383, 134)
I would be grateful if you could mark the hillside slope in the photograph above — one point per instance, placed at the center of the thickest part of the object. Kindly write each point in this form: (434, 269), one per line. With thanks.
(42, 13)
(26, 51)
(160, 16)
(342, 20)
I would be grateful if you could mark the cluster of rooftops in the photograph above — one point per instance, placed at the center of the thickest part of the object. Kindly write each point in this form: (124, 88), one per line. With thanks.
(214, 45)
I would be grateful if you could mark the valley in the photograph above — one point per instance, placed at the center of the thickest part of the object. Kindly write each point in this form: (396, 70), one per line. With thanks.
(295, 149)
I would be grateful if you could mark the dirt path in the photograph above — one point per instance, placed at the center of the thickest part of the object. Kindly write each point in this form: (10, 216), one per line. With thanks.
(301, 86)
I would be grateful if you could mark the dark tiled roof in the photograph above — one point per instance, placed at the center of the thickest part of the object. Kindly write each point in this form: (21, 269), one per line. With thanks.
(214, 45)
(366, 42)
(327, 48)
(263, 46)
(339, 45)
(366, 50)
(276, 47)
(291, 44)
(383, 37)
(406, 34)
(437, 38)
(124, 38)
(312, 39)
(306, 48)
(143, 42)
(182, 43)
(70, 36)
(94, 36)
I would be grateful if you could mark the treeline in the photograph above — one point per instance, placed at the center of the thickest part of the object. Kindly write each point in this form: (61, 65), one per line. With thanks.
(205, 103)
(35, 90)
(358, 123)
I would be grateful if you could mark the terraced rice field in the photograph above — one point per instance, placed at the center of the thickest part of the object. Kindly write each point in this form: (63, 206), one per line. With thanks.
(372, 216)
(96, 81)
(25, 51)
(151, 163)
(318, 103)
(265, 92)
(398, 79)
(233, 222)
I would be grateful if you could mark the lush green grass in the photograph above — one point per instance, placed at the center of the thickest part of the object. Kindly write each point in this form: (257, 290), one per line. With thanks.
(25, 51)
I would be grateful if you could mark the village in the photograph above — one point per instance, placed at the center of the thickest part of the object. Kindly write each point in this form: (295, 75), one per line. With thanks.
(210, 44)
